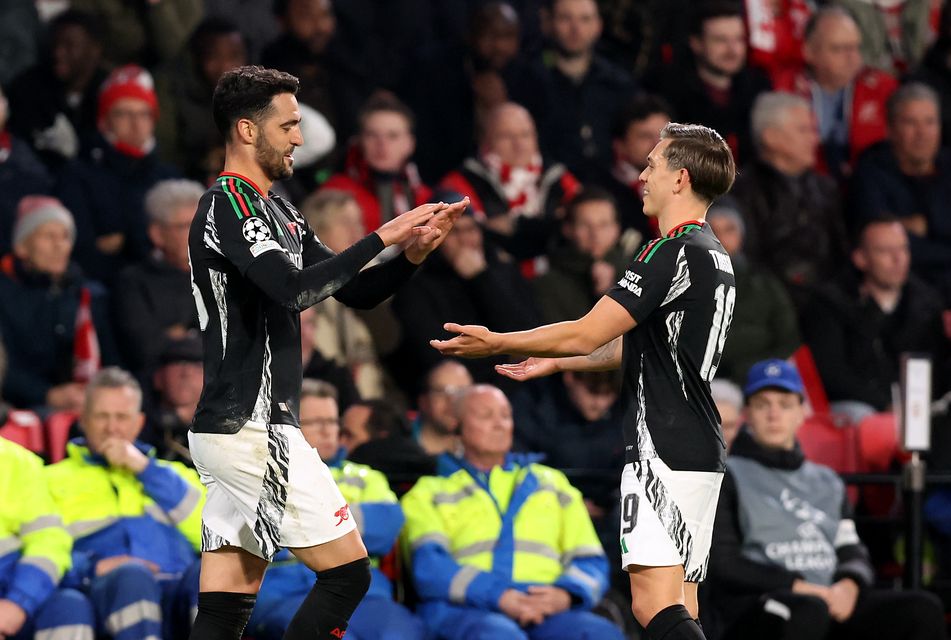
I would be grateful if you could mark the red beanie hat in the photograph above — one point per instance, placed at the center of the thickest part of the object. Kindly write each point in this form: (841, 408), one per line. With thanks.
(130, 81)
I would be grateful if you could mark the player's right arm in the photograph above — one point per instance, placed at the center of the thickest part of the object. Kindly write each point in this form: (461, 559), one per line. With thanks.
(604, 358)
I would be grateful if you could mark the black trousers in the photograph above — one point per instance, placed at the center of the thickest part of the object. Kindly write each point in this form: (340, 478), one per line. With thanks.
(904, 615)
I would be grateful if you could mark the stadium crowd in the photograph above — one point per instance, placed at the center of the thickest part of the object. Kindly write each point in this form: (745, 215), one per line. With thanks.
(542, 112)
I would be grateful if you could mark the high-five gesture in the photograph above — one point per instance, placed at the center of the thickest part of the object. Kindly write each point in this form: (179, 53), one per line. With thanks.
(440, 225)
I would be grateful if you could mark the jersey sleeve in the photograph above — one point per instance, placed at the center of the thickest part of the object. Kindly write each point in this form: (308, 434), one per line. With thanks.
(237, 230)
(649, 279)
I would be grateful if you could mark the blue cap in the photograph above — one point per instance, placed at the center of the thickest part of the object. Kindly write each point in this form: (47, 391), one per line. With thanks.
(773, 374)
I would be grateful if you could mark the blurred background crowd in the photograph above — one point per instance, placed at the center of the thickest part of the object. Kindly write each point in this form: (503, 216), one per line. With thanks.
(542, 112)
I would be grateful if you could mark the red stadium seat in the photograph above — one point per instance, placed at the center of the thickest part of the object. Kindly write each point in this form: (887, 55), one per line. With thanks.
(26, 429)
(57, 433)
(824, 442)
(815, 391)
(878, 441)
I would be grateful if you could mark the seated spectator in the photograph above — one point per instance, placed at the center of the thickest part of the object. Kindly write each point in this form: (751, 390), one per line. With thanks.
(376, 434)
(54, 103)
(729, 401)
(185, 129)
(318, 367)
(862, 321)
(636, 132)
(765, 325)
(848, 98)
(585, 89)
(36, 554)
(436, 427)
(136, 519)
(909, 177)
(354, 339)
(717, 88)
(333, 81)
(176, 386)
(776, 34)
(20, 31)
(894, 35)
(481, 72)
(587, 264)
(533, 570)
(935, 71)
(53, 321)
(511, 188)
(378, 517)
(794, 223)
(786, 560)
(466, 279)
(21, 173)
(378, 170)
(105, 187)
(153, 299)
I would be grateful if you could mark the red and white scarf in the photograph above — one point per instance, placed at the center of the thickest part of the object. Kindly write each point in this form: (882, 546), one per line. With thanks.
(86, 357)
(519, 184)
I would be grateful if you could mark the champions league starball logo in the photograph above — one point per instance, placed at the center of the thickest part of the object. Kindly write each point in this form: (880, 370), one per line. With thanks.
(255, 230)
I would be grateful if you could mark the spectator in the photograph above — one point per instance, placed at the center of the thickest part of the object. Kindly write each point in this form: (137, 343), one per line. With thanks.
(259, 24)
(376, 434)
(935, 71)
(781, 196)
(54, 322)
(765, 325)
(643, 37)
(894, 35)
(848, 98)
(176, 384)
(379, 519)
(776, 34)
(532, 571)
(575, 420)
(729, 400)
(105, 187)
(341, 334)
(136, 519)
(862, 321)
(378, 171)
(185, 129)
(436, 427)
(585, 89)
(786, 558)
(717, 88)
(511, 188)
(473, 78)
(144, 37)
(585, 266)
(20, 34)
(317, 367)
(54, 103)
(332, 82)
(463, 279)
(21, 173)
(36, 555)
(636, 132)
(909, 177)
(153, 298)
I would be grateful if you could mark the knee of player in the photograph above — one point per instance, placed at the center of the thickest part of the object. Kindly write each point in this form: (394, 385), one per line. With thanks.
(354, 577)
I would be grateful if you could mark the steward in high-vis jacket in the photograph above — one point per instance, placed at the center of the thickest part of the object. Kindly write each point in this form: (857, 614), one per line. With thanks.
(34, 554)
(501, 549)
(378, 517)
(136, 519)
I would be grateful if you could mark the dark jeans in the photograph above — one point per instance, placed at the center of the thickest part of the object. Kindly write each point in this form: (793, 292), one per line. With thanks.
(905, 615)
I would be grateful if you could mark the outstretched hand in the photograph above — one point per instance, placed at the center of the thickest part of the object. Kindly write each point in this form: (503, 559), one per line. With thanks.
(473, 341)
(410, 225)
(528, 369)
(439, 226)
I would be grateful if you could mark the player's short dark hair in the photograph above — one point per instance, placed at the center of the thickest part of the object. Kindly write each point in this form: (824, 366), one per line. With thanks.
(637, 109)
(705, 11)
(207, 30)
(314, 388)
(76, 18)
(591, 193)
(704, 154)
(908, 93)
(246, 92)
(385, 101)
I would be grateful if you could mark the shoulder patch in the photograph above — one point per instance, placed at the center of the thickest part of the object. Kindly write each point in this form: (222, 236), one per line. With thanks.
(255, 230)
